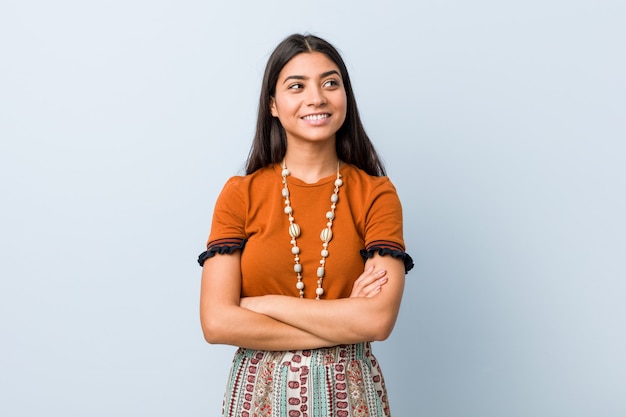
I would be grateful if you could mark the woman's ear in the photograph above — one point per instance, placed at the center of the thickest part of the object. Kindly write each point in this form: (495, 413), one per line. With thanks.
(273, 107)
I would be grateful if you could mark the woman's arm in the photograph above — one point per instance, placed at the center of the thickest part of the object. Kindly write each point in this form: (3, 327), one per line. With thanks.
(346, 320)
(225, 322)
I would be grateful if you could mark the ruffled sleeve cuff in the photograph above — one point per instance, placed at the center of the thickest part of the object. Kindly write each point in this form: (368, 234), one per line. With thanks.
(384, 247)
(221, 246)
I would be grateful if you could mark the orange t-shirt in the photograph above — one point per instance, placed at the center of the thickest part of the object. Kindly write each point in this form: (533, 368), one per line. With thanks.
(249, 215)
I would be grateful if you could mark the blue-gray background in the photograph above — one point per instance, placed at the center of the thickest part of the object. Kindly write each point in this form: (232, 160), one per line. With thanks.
(502, 125)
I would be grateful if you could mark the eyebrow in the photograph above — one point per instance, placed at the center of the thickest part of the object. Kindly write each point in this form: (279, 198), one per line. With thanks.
(302, 77)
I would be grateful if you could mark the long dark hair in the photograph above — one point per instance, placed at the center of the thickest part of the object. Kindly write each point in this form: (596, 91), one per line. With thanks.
(270, 143)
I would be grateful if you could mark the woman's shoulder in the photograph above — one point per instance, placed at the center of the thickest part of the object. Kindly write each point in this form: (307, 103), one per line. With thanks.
(240, 190)
(361, 179)
(243, 182)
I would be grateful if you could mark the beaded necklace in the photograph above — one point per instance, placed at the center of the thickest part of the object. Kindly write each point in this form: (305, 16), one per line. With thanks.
(326, 235)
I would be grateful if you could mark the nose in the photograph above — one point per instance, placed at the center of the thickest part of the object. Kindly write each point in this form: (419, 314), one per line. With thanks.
(316, 97)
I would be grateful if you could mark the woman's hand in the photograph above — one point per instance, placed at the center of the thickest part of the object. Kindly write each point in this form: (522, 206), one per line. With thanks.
(369, 283)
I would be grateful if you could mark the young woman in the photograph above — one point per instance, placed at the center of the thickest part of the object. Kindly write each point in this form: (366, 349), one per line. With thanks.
(305, 261)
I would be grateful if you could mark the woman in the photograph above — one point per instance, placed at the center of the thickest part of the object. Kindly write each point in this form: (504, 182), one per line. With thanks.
(300, 304)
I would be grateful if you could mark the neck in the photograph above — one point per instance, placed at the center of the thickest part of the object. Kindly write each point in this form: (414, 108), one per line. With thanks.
(310, 167)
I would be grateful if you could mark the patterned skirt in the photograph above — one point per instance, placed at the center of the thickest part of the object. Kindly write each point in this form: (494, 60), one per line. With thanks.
(340, 381)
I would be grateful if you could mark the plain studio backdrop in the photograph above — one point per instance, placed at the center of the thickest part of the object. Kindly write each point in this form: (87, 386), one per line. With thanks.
(502, 124)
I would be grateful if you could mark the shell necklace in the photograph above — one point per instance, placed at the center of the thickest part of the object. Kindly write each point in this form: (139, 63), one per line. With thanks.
(326, 235)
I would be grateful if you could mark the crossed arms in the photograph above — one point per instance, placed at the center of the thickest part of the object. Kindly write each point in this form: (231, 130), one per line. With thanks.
(278, 322)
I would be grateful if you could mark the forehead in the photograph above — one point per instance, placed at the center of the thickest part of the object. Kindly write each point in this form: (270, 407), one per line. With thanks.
(308, 64)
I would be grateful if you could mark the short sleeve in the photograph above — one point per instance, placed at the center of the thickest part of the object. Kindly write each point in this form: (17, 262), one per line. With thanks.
(228, 224)
(383, 225)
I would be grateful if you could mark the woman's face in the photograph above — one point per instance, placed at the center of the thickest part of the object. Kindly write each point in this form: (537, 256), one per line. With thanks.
(310, 99)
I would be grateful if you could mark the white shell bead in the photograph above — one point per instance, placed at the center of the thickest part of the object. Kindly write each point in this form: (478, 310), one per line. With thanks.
(285, 172)
(320, 272)
(294, 230)
(330, 215)
(295, 250)
(288, 210)
(334, 198)
(338, 182)
(319, 291)
(300, 285)
(326, 235)
(285, 192)
(324, 253)
(297, 268)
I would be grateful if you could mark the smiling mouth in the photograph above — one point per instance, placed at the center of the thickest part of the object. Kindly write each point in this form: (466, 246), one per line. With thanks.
(316, 116)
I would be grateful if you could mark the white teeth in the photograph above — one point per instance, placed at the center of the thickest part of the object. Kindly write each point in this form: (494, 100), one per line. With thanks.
(316, 116)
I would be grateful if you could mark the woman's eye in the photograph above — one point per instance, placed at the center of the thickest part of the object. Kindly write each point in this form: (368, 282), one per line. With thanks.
(331, 83)
(295, 86)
